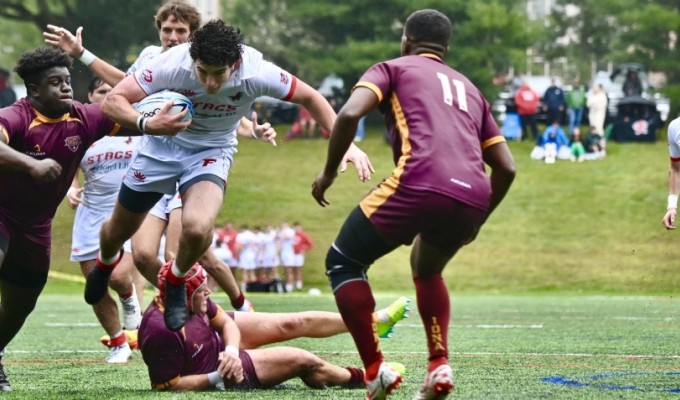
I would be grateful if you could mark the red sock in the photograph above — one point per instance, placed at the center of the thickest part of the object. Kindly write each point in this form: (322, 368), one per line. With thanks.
(173, 279)
(356, 379)
(238, 303)
(356, 305)
(108, 267)
(118, 340)
(435, 311)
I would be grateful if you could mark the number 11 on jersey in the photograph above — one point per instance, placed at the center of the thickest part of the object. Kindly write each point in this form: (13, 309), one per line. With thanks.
(448, 95)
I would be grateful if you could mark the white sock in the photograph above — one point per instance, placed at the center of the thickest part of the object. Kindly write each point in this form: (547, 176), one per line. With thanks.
(298, 285)
(108, 261)
(289, 287)
(176, 271)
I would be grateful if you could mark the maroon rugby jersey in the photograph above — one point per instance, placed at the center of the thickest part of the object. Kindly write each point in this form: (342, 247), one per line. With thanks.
(193, 350)
(438, 123)
(64, 140)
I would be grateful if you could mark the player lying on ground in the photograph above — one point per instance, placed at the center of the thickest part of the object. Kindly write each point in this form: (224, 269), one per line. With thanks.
(205, 353)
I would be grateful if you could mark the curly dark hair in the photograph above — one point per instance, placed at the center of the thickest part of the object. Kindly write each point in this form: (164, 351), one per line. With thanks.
(32, 65)
(428, 26)
(217, 43)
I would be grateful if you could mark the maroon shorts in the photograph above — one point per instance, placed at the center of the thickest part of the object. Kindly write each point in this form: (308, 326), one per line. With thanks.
(440, 220)
(27, 257)
(250, 380)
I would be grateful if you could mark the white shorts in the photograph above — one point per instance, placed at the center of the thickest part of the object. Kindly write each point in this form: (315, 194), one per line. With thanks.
(85, 237)
(269, 260)
(224, 254)
(161, 164)
(247, 261)
(299, 260)
(165, 205)
(287, 258)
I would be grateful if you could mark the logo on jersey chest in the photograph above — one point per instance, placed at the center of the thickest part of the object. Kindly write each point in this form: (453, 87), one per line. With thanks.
(72, 142)
(36, 152)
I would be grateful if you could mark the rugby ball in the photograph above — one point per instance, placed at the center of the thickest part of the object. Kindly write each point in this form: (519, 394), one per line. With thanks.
(152, 104)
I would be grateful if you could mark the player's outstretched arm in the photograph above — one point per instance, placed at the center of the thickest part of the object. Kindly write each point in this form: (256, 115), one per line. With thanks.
(45, 170)
(73, 46)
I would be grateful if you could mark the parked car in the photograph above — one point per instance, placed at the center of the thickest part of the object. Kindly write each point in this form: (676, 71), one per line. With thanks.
(613, 86)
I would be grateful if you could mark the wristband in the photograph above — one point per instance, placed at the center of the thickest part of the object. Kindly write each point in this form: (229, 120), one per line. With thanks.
(86, 57)
(672, 201)
(141, 123)
(231, 349)
(70, 190)
(214, 378)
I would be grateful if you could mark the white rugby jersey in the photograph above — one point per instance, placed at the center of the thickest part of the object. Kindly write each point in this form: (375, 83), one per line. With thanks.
(286, 237)
(674, 139)
(269, 243)
(216, 115)
(147, 54)
(104, 165)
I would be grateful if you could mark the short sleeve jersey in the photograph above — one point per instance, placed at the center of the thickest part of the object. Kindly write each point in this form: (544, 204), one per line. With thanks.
(438, 124)
(168, 355)
(104, 164)
(64, 139)
(147, 54)
(674, 139)
(216, 115)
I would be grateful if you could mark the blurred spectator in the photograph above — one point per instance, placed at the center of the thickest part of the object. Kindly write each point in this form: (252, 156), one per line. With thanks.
(303, 127)
(555, 142)
(597, 109)
(307, 123)
(526, 101)
(361, 130)
(7, 95)
(632, 85)
(576, 102)
(576, 147)
(301, 245)
(247, 246)
(595, 145)
(554, 103)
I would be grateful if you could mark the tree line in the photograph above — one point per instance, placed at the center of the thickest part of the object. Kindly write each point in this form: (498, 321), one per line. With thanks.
(312, 38)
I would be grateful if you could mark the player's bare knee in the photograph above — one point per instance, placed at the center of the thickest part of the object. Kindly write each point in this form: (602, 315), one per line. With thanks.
(290, 325)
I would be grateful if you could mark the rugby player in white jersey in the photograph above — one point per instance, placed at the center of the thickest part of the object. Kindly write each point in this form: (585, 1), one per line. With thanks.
(673, 174)
(176, 20)
(104, 164)
(222, 77)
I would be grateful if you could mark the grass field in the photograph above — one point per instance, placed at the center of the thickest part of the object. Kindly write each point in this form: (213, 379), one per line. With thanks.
(591, 227)
(502, 347)
(569, 292)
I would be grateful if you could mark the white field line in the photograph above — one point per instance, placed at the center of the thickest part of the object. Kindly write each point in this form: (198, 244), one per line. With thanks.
(454, 353)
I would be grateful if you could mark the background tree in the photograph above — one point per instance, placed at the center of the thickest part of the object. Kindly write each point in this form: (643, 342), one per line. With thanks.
(313, 38)
(597, 32)
(110, 29)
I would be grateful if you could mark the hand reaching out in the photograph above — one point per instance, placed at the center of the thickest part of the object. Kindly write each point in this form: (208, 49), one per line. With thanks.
(61, 37)
(264, 132)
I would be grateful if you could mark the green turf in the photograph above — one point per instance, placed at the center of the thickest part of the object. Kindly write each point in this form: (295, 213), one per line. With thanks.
(591, 227)
(529, 296)
(502, 346)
